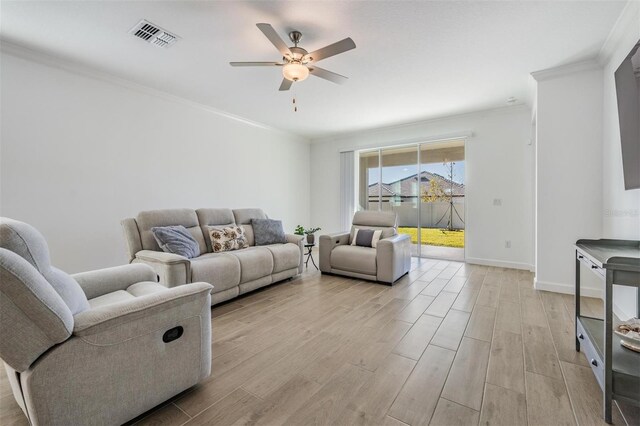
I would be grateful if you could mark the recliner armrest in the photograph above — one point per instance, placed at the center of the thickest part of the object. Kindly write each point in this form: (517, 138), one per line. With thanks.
(327, 243)
(172, 269)
(103, 281)
(121, 315)
(393, 256)
(297, 240)
(161, 257)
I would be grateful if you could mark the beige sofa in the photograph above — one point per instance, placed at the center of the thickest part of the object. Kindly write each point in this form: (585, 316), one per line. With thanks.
(389, 261)
(231, 273)
(101, 347)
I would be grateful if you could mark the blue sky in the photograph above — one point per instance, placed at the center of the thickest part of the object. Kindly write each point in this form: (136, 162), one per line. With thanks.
(391, 174)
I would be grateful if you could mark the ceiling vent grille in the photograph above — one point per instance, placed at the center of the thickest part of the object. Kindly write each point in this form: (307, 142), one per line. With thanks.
(153, 34)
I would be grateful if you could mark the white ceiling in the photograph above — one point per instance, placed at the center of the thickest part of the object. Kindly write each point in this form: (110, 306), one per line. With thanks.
(413, 61)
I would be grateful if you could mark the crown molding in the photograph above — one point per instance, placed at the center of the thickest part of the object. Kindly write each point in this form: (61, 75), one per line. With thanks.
(41, 57)
(562, 70)
(629, 16)
(377, 130)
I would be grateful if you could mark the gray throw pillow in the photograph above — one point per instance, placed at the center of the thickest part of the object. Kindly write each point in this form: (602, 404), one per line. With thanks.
(176, 240)
(268, 231)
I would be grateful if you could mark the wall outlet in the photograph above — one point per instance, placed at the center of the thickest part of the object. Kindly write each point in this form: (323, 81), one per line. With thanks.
(497, 201)
(507, 244)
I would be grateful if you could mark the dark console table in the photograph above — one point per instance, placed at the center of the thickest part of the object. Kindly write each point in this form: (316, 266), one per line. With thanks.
(617, 369)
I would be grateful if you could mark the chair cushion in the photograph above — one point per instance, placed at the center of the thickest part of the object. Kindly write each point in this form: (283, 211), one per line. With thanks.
(255, 262)
(268, 231)
(176, 239)
(285, 256)
(354, 259)
(222, 270)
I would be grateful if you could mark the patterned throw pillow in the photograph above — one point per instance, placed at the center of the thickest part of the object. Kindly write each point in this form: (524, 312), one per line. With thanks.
(227, 238)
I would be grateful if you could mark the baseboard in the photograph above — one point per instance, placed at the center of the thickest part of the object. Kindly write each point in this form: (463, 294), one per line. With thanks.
(499, 263)
(584, 291)
(566, 288)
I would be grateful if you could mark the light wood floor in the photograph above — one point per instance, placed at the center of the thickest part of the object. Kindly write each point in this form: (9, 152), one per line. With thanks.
(449, 344)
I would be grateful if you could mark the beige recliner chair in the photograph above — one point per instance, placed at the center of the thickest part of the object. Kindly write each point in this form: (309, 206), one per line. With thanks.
(387, 262)
(100, 347)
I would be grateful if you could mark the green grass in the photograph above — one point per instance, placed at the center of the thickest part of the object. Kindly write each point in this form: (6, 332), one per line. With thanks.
(436, 237)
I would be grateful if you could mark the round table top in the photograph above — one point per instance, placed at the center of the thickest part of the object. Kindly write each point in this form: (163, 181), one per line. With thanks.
(309, 245)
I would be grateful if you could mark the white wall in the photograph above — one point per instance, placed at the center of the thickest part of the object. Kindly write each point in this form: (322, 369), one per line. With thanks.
(498, 165)
(569, 171)
(78, 154)
(621, 209)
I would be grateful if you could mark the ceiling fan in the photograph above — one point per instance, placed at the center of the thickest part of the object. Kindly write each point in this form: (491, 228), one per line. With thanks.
(296, 62)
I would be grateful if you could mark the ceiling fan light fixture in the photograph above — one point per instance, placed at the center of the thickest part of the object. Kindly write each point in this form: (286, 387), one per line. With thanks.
(295, 71)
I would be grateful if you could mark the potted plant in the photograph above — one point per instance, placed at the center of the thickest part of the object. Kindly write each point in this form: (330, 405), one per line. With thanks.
(309, 232)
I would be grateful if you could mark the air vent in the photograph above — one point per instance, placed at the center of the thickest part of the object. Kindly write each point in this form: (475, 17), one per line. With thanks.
(153, 34)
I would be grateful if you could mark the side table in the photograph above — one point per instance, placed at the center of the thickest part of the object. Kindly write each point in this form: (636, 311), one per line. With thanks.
(309, 255)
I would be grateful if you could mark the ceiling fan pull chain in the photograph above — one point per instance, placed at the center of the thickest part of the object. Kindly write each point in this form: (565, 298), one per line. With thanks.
(295, 107)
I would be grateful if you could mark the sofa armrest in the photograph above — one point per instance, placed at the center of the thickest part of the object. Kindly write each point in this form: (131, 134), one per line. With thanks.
(103, 281)
(327, 243)
(393, 256)
(123, 314)
(173, 270)
(299, 241)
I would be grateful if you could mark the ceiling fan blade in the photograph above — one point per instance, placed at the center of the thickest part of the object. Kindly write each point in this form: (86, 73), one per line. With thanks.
(332, 49)
(286, 84)
(274, 38)
(327, 75)
(255, 64)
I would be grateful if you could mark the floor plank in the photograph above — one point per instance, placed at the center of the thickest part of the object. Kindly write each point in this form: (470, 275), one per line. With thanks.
(449, 413)
(451, 330)
(481, 323)
(503, 407)
(547, 401)
(465, 384)
(418, 398)
(418, 337)
(506, 365)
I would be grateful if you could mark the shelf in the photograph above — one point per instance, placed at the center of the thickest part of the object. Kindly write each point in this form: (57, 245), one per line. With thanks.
(626, 363)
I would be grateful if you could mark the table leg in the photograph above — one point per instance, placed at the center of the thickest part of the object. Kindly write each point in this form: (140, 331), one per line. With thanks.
(577, 300)
(608, 349)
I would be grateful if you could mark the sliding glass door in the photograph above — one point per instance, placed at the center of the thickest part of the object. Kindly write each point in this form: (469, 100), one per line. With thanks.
(424, 185)
(400, 189)
(442, 199)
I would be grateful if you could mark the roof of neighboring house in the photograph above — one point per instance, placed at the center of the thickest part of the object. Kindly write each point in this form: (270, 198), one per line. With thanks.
(406, 187)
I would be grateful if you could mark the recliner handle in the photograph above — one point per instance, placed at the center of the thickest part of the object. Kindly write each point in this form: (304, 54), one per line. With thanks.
(172, 334)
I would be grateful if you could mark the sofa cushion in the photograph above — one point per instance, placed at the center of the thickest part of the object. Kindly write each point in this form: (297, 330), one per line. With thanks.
(177, 240)
(268, 231)
(285, 256)
(219, 218)
(248, 233)
(185, 217)
(255, 262)
(244, 216)
(222, 270)
(227, 238)
(354, 259)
